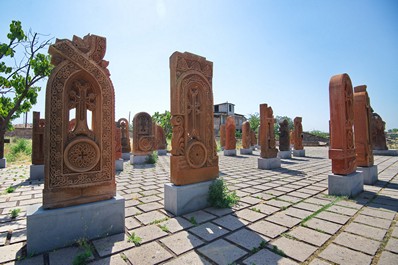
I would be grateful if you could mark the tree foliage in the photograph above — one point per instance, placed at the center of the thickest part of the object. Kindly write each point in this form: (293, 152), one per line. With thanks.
(164, 120)
(254, 120)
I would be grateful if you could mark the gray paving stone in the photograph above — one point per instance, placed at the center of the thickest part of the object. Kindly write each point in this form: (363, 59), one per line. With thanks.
(317, 201)
(3, 237)
(250, 200)
(373, 221)
(112, 260)
(131, 211)
(36, 260)
(208, 231)
(112, 244)
(65, 255)
(247, 238)
(317, 261)
(147, 207)
(290, 198)
(342, 255)
(278, 203)
(265, 209)
(283, 219)
(297, 213)
(267, 257)
(181, 242)
(310, 236)
(176, 224)
(200, 216)
(295, 249)
(147, 254)
(131, 223)
(230, 222)
(219, 211)
(333, 217)
(378, 213)
(222, 252)
(149, 233)
(355, 242)
(342, 210)
(10, 252)
(395, 232)
(323, 226)
(150, 217)
(249, 215)
(268, 229)
(307, 206)
(392, 245)
(388, 258)
(366, 231)
(190, 258)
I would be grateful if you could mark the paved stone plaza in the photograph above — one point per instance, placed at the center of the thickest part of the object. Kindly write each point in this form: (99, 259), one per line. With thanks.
(284, 217)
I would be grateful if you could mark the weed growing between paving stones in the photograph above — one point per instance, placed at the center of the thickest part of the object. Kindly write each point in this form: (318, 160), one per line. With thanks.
(14, 213)
(220, 196)
(10, 189)
(152, 158)
(133, 238)
(255, 210)
(164, 228)
(324, 208)
(82, 258)
(124, 257)
(193, 221)
(278, 251)
(159, 221)
(257, 249)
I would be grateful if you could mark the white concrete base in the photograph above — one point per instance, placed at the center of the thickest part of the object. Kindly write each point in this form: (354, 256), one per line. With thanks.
(139, 160)
(162, 152)
(299, 153)
(36, 172)
(269, 163)
(392, 152)
(350, 185)
(3, 163)
(56, 228)
(285, 154)
(230, 152)
(126, 156)
(119, 164)
(370, 174)
(184, 199)
(246, 151)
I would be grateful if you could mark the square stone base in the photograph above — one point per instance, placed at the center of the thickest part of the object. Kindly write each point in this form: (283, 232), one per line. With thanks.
(230, 152)
(138, 160)
(392, 152)
(244, 151)
(184, 199)
(285, 154)
(3, 163)
(126, 156)
(269, 163)
(162, 152)
(119, 164)
(370, 175)
(299, 153)
(350, 185)
(36, 172)
(56, 228)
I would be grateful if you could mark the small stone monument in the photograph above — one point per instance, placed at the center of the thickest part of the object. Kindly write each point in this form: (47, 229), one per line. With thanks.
(268, 156)
(143, 138)
(298, 149)
(379, 137)
(284, 140)
(230, 138)
(253, 140)
(118, 149)
(222, 136)
(160, 140)
(345, 180)
(246, 139)
(123, 124)
(37, 167)
(79, 196)
(194, 160)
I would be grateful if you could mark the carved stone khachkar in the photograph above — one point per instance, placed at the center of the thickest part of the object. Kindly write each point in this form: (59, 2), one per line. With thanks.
(118, 143)
(79, 162)
(246, 135)
(378, 132)
(284, 135)
(160, 138)
(298, 134)
(123, 124)
(194, 156)
(143, 135)
(346, 180)
(230, 139)
(267, 136)
(38, 139)
(222, 135)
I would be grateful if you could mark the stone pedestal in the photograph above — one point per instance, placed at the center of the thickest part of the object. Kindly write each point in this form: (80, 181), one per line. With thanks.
(36, 172)
(269, 163)
(392, 152)
(51, 229)
(349, 185)
(126, 156)
(184, 199)
(370, 175)
(231, 152)
(119, 164)
(162, 152)
(285, 154)
(3, 163)
(246, 151)
(138, 160)
(299, 153)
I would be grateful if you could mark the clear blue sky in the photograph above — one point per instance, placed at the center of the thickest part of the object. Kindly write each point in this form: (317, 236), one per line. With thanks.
(282, 53)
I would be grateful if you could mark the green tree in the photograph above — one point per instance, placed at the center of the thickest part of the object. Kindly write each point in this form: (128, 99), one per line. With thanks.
(164, 120)
(254, 120)
(279, 119)
(320, 133)
(18, 83)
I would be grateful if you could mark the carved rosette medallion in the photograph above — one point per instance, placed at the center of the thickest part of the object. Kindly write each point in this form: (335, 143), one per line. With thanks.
(81, 155)
(143, 134)
(196, 155)
(145, 143)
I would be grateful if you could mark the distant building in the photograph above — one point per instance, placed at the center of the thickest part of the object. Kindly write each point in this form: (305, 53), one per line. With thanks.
(222, 111)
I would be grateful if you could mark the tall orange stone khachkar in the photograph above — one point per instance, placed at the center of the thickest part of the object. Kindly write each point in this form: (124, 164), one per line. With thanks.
(268, 156)
(363, 135)
(194, 160)
(298, 149)
(230, 138)
(143, 138)
(123, 124)
(222, 136)
(37, 167)
(79, 162)
(160, 140)
(118, 148)
(246, 139)
(345, 180)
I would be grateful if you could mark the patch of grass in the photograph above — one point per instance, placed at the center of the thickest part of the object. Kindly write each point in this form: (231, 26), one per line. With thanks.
(257, 249)
(324, 208)
(278, 251)
(288, 236)
(152, 158)
(164, 228)
(10, 189)
(124, 257)
(83, 257)
(220, 196)
(255, 210)
(284, 208)
(133, 238)
(19, 149)
(159, 221)
(14, 213)
(192, 220)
